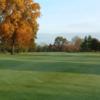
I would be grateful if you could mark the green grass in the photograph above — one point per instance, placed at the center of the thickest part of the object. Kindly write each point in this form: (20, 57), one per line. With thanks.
(50, 76)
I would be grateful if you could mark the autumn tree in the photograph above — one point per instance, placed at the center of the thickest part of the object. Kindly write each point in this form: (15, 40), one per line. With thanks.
(18, 23)
(77, 41)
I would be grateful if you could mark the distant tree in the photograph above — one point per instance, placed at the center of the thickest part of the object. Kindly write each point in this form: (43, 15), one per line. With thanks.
(69, 48)
(42, 48)
(86, 44)
(60, 42)
(90, 44)
(18, 22)
(95, 44)
(77, 41)
(52, 48)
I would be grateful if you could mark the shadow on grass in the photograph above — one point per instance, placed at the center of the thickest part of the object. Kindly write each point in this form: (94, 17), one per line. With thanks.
(72, 67)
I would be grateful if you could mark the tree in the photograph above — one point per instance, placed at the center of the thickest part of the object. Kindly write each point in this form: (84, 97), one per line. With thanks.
(18, 22)
(60, 42)
(90, 44)
(95, 44)
(77, 41)
(86, 44)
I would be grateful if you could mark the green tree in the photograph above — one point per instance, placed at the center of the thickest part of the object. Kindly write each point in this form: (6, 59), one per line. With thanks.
(60, 42)
(86, 44)
(90, 44)
(95, 44)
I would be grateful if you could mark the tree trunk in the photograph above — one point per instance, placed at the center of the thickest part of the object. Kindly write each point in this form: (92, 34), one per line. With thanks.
(13, 44)
(12, 50)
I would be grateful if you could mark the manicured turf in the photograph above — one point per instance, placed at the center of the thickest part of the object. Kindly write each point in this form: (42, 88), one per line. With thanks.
(50, 76)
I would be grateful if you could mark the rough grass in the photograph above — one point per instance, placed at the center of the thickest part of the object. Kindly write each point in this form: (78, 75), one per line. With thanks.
(50, 76)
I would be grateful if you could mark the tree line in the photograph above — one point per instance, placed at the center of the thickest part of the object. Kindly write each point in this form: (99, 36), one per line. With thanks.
(77, 44)
(60, 44)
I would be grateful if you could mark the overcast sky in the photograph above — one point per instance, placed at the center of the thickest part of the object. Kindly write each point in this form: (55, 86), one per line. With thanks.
(68, 18)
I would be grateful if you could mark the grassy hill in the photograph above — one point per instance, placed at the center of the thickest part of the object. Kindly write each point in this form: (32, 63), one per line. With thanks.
(50, 76)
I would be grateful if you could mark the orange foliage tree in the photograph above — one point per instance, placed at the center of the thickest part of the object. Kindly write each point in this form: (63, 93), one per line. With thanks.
(18, 22)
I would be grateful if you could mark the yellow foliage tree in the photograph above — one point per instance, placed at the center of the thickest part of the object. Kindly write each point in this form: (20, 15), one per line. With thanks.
(18, 22)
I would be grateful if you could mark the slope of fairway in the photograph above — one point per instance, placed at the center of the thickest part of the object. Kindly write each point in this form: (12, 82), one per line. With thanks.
(50, 76)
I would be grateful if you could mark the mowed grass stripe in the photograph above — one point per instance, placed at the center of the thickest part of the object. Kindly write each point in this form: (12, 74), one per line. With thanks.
(76, 64)
(62, 85)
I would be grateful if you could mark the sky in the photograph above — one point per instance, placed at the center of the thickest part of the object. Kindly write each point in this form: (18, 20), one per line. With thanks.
(68, 18)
